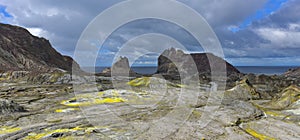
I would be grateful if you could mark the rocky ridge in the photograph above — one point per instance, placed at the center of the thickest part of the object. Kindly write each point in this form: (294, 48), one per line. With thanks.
(21, 51)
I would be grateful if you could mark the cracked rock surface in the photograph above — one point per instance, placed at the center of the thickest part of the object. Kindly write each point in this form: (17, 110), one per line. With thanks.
(145, 108)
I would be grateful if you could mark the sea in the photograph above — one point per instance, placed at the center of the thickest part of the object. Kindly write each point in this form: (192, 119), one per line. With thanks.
(267, 70)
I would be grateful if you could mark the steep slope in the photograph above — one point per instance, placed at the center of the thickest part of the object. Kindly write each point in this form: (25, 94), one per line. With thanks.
(19, 50)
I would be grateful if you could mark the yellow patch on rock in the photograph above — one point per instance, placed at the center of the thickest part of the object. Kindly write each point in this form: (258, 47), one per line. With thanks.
(35, 136)
(7, 129)
(66, 110)
(258, 135)
(47, 133)
(288, 97)
(275, 114)
(143, 81)
(75, 102)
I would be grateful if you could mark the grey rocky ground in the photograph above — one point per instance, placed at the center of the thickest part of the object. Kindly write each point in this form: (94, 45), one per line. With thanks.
(143, 108)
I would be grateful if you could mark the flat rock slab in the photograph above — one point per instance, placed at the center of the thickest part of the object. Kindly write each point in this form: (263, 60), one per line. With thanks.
(270, 128)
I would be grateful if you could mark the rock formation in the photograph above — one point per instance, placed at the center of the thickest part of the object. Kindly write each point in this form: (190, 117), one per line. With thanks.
(269, 86)
(119, 68)
(293, 73)
(288, 97)
(22, 51)
(242, 91)
(171, 59)
(7, 106)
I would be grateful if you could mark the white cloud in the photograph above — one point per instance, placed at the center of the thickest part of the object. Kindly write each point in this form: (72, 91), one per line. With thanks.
(284, 61)
(37, 32)
(293, 26)
(235, 52)
(52, 12)
(225, 12)
(279, 37)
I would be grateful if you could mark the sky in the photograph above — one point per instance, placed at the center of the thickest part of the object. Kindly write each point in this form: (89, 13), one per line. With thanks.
(251, 32)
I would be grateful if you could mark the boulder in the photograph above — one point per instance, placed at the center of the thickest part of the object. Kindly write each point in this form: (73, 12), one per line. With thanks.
(7, 106)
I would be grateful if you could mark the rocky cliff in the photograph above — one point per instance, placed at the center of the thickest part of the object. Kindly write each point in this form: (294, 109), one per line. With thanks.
(19, 50)
(166, 66)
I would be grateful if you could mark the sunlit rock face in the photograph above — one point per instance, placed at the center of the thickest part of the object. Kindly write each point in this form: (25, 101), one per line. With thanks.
(119, 68)
(22, 51)
(242, 91)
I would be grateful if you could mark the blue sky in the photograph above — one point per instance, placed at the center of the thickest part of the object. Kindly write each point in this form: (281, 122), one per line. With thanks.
(4, 14)
(256, 32)
(270, 7)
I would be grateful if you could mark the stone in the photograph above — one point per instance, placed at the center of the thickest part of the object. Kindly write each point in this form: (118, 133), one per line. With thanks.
(7, 106)
(119, 68)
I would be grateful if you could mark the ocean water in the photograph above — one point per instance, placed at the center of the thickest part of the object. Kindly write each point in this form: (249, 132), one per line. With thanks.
(267, 70)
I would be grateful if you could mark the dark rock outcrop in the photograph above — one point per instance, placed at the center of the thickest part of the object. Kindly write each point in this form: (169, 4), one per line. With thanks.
(176, 65)
(171, 59)
(269, 86)
(21, 51)
(7, 106)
